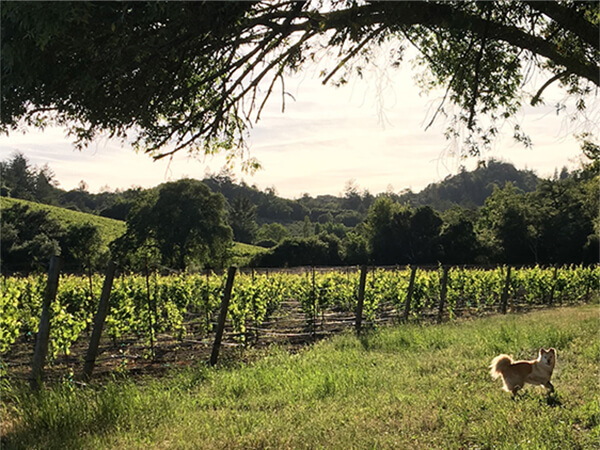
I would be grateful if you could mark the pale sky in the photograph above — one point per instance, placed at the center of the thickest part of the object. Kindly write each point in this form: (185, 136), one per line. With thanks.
(371, 131)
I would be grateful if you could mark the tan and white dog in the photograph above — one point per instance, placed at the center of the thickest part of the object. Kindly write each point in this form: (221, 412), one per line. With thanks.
(516, 373)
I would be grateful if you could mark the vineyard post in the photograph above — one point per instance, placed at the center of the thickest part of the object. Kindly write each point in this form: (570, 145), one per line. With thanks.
(41, 342)
(222, 316)
(103, 305)
(411, 288)
(361, 297)
(443, 291)
(504, 299)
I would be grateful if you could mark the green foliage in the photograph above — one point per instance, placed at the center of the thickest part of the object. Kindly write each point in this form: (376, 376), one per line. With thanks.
(242, 219)
(196, 76)
(243, 254)
(273, 232)
(182, 224)
(399, 235)
(145, 306)
(323, 249)
(28, 238)
(469, 189)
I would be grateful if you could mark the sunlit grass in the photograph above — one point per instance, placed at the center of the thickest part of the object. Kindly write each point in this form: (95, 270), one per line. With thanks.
(405, 387)
(109, 229)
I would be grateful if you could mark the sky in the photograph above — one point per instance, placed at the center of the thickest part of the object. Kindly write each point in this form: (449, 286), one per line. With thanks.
(371, 132)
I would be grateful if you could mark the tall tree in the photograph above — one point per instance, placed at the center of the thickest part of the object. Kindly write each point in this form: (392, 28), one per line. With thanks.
(18, 177)
(507, 227)
(242, 218)
(196, 75)
(184, 222)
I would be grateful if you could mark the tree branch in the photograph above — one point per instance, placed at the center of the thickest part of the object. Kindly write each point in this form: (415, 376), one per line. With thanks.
(558, 76)
(568, 19)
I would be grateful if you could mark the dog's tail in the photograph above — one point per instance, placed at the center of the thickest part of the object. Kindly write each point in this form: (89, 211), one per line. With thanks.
(500, 364)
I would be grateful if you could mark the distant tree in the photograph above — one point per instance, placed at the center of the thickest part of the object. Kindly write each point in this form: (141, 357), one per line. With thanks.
(325, 218)
(315, 250)
(351, 197)
(458, 238)
(18, 177)
(83, 245)
(506, 227)
(564, 220)
(307, 227)
(242, 219)
(349, 218)
(184, 223)
(46, 186)
(355, 247)
(423, 238)
(28, 238)
(78, 200)
(388, 232)
(274, 232)
(398, 234)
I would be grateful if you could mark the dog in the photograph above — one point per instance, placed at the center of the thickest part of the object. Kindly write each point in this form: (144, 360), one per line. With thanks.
(516, 373)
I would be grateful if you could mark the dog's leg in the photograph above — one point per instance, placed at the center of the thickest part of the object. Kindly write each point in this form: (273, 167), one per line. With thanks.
(515, 389)
(549, 386)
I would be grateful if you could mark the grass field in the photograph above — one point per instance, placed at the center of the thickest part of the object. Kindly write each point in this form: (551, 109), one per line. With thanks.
(109, 229)
(410, 387)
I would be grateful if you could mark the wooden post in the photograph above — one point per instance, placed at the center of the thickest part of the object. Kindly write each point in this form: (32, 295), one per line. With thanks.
(411, 288)
(222, 316)
(504, 298)
(103, 305)
(443, 291)
(41, 342)
(361, 297)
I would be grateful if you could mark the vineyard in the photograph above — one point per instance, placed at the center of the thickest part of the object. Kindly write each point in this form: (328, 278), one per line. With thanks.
(170, 319)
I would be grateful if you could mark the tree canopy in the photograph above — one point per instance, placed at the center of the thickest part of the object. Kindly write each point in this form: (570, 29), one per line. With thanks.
(181, 223)
(195, 76)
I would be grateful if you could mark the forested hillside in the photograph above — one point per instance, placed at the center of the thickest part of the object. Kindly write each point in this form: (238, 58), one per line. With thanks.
(470, 189)
(495, 213)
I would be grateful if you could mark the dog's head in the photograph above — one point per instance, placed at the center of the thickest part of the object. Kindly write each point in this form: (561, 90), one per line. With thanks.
(547, 357)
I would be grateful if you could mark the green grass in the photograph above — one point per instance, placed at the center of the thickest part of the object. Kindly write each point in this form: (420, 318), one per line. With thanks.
(405, 387)
(243, 253)
(109, 229)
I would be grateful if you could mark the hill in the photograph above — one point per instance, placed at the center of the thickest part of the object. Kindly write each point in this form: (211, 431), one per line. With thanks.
(109, 229)
(470, 189)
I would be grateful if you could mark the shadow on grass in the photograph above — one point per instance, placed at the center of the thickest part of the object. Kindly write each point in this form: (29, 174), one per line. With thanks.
(551, 399)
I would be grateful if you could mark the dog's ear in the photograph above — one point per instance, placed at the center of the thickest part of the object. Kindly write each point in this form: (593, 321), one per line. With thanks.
(552, 350)
(542, 351)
